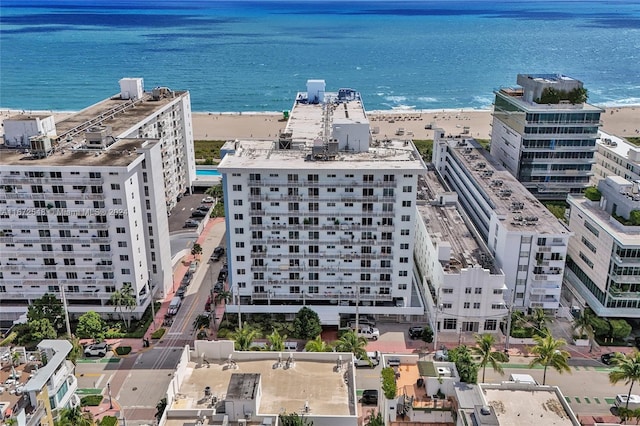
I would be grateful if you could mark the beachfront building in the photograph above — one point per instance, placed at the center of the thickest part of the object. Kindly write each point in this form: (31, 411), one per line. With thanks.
(544, 133)
(457, 271)
(324, 215)
(86, 212)
(528, 243)
(603, 266)
(616, 156)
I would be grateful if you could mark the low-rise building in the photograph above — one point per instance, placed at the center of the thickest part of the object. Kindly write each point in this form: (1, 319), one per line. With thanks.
(459, 275)
(528, 243)
(216, 384)
(603, 264)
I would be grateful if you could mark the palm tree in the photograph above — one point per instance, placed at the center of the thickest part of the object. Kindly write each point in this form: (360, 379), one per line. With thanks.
(74, 417)
(484, 350)
(215, 191)
(317, 345)
(196, 250)
(351, 342)
(276, 341)
(201, 321)
(627, 369)
(124, 299)
(244, 337)
(223, 296)
(548, 353)
(583, 326)
(540, 319)
(160, 407)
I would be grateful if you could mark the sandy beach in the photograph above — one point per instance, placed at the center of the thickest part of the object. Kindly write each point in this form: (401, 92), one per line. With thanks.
(619, 121)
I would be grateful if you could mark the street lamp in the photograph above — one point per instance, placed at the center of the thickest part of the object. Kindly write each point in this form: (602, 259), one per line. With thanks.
(435, 328)
(109, 391)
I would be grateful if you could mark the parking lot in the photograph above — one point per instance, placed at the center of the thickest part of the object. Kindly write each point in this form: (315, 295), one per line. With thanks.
(183, 210)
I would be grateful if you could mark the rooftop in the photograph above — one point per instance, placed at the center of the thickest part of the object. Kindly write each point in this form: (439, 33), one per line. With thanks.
(28, 117)
(527, 406)
(445, 223)
(121, 115)
(624, 235)
(619, 146)
(311, 142)
(513, 203)
(283, 389)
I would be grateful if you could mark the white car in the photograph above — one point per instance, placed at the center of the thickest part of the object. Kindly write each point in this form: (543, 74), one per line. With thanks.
(97, 349)
(369, 333)
(208, 200)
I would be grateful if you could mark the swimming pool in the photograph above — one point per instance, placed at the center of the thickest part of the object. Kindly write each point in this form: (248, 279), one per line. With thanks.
(208, 172)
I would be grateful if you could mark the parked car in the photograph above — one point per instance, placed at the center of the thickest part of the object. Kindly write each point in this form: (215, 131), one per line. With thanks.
(208, 200)
(191, 223)
(371, 361)
(193, 266)
(186, 280)
(218, 252)
(222, 275)
(363, 319)
(96, 349)
(198, 213)
(369, 333)
(370, 397)
(415, 332)
(634, 401)
(441, 355)
(181, 292)
(203, 208)
(218, 287)
(607, 358)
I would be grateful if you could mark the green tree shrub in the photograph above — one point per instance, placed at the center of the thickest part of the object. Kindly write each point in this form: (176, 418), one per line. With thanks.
(91, 400)
(158, 333)
(91, 326)
(306, 324)
(389, 386)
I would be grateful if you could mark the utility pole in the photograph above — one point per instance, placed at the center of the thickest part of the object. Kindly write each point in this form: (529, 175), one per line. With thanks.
(66, 312)
(153, 308)
(109, 390)
(509, 308)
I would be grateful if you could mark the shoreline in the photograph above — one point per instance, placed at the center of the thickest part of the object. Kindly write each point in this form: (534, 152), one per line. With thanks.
(622, 121)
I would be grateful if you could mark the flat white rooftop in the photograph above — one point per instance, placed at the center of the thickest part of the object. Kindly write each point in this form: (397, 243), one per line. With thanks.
(445, 223)
(511, 201)
(264, 155)
(287, 390)
(625, 235)
(617, 145)
(527, 407)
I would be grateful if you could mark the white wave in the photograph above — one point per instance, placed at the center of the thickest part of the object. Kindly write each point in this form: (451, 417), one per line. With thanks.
(403, 107)
(484, 101)
(427, 99)
(396, 99)
(621, 102)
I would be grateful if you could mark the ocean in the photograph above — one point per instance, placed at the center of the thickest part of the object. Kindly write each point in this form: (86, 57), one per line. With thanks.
(255, 55)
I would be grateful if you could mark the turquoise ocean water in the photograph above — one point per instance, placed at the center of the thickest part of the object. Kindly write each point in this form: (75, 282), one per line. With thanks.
(255, 55)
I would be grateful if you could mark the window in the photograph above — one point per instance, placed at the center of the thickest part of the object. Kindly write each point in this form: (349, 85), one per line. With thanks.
(542, 241)
(237, 187)
(122, 244)
(402, 273)
(467, 305)
(588, 244)
(404, 246)
(405, 218)
(406, 204)
(591, 228)
(447, 291)
(407, 189)
(476, 305)
(449, 323)
(478, 290)
(404, 260)
(467, 290)
(239, 230)
(72, 275)
(404, 232)
(586, 260)
(490, 325)
(497, 291)
(115, 186)
(237, 202)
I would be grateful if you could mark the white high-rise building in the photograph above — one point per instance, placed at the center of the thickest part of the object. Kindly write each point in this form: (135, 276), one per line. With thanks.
(86, 211)
(603, 267)
(527, 241)
(465, 290)
(324, 216)
(544, 133)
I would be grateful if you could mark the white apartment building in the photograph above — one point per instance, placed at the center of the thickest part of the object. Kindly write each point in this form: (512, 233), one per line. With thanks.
(616, 156)
(86, 211)
(603, 267)
(463, 284)
(528, 243)
(548, 147)
(323, 216)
